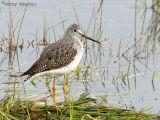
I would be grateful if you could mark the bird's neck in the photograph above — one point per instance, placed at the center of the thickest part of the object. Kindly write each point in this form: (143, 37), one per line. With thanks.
(76, 42)
(71, 38)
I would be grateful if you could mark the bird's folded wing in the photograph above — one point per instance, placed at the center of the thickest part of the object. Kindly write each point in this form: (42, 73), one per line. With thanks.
(53, 57)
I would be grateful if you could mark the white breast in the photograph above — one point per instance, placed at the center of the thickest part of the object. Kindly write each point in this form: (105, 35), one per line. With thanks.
(70, 67)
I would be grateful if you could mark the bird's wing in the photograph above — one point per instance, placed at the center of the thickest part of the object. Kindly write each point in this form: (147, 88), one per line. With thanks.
(53, 57)
(52, 46)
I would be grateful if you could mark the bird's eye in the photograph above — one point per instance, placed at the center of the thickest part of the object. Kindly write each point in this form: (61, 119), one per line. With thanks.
(75, 30)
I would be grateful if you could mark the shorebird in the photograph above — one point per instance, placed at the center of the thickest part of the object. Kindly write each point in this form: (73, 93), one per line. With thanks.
(60, 57)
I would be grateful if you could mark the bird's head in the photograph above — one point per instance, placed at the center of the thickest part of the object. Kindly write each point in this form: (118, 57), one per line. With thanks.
(74, 30)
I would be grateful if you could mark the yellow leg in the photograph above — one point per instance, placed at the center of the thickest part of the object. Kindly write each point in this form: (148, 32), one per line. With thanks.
(54, 90)
(64, 87)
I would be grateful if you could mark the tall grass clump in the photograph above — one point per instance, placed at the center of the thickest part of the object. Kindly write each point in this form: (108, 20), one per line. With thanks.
(84, 108)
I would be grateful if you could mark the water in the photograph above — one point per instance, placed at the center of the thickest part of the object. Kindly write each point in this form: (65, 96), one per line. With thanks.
(117, 80)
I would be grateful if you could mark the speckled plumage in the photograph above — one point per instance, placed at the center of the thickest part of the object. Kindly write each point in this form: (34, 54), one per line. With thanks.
(57, 55)
(62, 56)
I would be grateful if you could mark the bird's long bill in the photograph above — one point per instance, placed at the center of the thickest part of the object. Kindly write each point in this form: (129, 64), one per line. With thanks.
(85, 36)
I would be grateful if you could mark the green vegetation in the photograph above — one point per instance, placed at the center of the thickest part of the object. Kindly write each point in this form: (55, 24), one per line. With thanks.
(82, 109)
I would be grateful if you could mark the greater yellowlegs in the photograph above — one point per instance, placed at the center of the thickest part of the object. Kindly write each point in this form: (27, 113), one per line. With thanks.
(60, 57)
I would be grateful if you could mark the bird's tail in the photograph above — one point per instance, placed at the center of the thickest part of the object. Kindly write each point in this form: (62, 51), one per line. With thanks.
(25, 73)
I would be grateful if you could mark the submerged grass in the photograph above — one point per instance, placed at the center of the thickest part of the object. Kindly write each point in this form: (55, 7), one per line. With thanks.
(84, 108)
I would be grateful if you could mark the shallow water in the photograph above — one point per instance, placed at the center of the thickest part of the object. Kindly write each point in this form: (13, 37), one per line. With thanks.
(116, 79)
